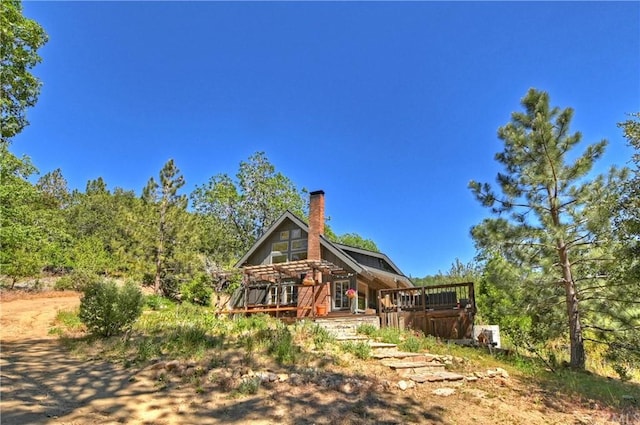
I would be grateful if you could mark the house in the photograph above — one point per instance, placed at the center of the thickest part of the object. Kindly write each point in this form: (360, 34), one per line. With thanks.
(293, 270)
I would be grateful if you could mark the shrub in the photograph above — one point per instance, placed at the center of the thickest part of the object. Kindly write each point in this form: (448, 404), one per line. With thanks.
(77, 280)
(390, 335)
(321, 337)
(367, 329)
(282, 347)
(107, 310)
(157, 302)
(248, 386)
(197, 291)
(412, 343)
(361, 350)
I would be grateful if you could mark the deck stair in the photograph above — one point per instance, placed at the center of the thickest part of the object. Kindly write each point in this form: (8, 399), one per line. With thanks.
(345, 327)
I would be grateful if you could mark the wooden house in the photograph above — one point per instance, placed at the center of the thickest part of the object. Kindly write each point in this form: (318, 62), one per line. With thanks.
(294, 270)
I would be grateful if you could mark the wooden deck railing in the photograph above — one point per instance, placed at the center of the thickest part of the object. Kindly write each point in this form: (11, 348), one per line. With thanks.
(427, 298)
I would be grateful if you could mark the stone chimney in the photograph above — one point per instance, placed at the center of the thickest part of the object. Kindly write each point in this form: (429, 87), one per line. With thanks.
(316, 224)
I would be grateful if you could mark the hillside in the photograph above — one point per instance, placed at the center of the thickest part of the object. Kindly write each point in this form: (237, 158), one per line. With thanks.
(169, 372)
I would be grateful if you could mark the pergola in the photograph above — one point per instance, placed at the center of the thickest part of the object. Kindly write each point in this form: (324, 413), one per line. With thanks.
(292, 269)
(280, 273)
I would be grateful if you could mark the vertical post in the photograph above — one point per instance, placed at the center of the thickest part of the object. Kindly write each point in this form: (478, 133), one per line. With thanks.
(472, 296)
(278, 293)
(245, 283)
(313, 299)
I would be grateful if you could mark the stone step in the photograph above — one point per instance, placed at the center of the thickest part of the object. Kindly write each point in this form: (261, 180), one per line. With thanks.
(426, 370)
(346, 337)
(435, 377)
(375, 345)
(405, 365)
(393, 354)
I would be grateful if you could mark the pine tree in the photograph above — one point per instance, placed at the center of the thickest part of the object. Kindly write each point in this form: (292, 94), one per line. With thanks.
(553, 221)
(166, 205)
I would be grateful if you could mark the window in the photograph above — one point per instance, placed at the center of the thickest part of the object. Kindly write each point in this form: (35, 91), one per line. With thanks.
(273, 295)
(282, 250)
(280, 247)
(288, 295)
(298, 244)
(278, 258)
(297, 256)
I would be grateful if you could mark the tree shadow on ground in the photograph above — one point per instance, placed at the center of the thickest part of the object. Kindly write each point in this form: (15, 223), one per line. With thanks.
(41, 381)
(560, 390)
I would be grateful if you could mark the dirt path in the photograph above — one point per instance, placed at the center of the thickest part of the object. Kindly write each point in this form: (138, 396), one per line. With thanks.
(42, 384)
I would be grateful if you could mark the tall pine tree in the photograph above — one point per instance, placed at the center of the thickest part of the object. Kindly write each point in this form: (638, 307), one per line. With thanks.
(553, 221)
(165, 207)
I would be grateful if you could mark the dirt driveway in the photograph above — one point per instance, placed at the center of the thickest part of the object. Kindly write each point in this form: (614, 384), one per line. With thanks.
(42, 384)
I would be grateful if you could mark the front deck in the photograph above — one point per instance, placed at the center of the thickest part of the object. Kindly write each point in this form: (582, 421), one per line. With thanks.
(443, 311)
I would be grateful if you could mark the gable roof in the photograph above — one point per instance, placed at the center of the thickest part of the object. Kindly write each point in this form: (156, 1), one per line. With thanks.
(343, 252)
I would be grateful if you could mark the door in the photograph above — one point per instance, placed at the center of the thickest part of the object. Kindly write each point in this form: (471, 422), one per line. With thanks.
(339, 298)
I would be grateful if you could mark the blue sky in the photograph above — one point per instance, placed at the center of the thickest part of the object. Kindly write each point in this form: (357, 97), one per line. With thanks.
(390, 108)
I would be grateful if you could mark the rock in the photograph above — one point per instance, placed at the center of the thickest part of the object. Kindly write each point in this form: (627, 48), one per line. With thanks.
(502, 372)
(471, 378)
(403, 385)
(283, 377)
(419, 378)
(346, 388)
(431, 357)
(295, 379)
(476, 393)
(450, 376)
(172, 365)
(266, 376)
(492, 373)
(444, 392)
(159, 365)
(435, 378)
(480, 375)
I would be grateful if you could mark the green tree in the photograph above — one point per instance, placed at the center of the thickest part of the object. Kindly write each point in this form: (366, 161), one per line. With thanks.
(357, 241)
(107, 225)
(628, 220)
(54, 189)
(554, 222)
(622, 331)
(237, 212)
(166, 206)
(54, 199)
(459, 272)
(21, 234)
(20, 39)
